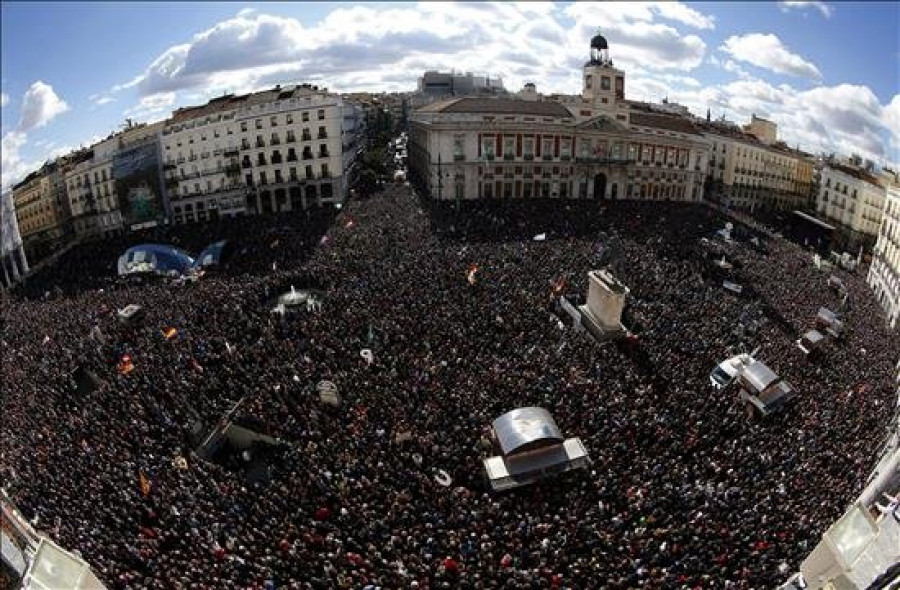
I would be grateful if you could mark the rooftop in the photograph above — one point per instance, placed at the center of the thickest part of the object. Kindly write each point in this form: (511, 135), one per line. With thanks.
(500, 106)
(666, 122)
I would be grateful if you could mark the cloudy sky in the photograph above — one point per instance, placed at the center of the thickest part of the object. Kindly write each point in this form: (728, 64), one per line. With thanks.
(827, 73)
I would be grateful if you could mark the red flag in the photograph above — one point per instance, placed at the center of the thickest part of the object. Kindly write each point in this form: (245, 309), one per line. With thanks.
(125, 365)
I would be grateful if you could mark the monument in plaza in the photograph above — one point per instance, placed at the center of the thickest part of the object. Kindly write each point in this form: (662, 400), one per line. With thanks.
(602, 314)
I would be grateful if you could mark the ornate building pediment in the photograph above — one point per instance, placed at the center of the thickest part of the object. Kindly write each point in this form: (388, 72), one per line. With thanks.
(601, 123)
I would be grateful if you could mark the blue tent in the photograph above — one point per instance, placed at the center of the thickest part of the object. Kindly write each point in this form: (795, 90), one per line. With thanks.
(215, 254)
(154, 258)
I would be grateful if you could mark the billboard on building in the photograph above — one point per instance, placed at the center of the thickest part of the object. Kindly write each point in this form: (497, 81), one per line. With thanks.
(137, 176)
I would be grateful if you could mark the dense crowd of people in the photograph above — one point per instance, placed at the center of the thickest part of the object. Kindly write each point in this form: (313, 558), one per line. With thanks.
(683, 491)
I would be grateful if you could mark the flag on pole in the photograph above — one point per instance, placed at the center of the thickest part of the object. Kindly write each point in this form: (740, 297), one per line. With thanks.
(46, 339)
(350, 223)
(323, 241)
(470, 275)
(126, 365)
(229, 348)
(145, 484)
(196, 366)
(169, 333)
(274, 244)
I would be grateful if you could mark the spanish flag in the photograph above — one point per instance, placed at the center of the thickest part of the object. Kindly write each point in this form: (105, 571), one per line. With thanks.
(169, 333)
(125, 365)
(471, 274)
(145, 484)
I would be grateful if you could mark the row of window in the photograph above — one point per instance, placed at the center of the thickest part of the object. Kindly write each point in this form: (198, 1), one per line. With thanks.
(560, 146)
(562, 190)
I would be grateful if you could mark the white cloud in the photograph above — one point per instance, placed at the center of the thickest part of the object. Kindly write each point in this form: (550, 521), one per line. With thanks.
(843, 118)
(767, 51)
(39, 106)
(825, 9)
(101, 99)
(684, 14)
(149, 106)
(4, 99)
(360, 47)
(12, 167)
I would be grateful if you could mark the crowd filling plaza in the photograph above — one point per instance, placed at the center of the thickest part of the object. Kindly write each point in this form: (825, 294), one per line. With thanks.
(106, 423)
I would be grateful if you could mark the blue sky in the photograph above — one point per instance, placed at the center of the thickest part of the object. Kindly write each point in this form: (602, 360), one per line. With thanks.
(827, 73)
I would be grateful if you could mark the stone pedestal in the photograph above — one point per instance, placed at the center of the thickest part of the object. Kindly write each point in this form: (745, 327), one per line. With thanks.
(605, 301)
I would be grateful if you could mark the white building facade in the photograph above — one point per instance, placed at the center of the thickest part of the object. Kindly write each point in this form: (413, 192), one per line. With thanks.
(273, 151)
(594, 148)
(12, 254)
(884, 273)
(853, 199)
(91, 192)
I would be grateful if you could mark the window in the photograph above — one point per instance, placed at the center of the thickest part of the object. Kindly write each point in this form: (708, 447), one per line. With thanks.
(325, 173)
(588, 81)
(509, 147)
(289, 118)
(460, 190)
(321, 114)
(273, 121)
(259, 123)
(547, 148)
(309, 172)
(507, 190)
(458, 145)
(488, 190)
(565, 147)
(305, 116)
(487, 146)
(528, 147)
(585, 148)
(604, 83)
(243, 125)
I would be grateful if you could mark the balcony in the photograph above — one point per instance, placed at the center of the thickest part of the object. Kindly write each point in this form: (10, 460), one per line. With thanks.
(489, 157)
(307, 156)
(275, 141)
(261, 160)
(508, 157)
(528, 157)
(547, 157)
(324, 154)
(246, 164)
(260, 143)
(565, 157)
(322, 135)
(231, 152)
(306, 137)
(458, 157)
(292, 157)
(232, 170)
(291, 138)
(192, 158)
(180, 160)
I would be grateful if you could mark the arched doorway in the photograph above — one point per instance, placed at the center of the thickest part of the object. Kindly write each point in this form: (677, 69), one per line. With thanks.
(600, 186)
